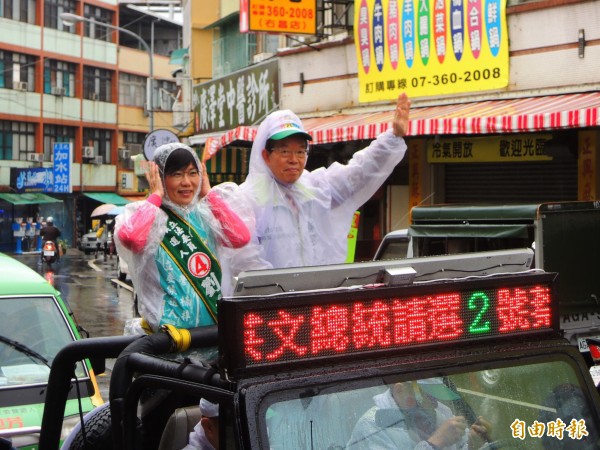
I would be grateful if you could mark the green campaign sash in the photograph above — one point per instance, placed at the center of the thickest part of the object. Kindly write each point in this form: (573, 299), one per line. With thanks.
(195, 260)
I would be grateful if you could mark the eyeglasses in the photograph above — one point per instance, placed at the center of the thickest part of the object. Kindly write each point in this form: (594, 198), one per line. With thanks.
(179, 175)
(286, 153)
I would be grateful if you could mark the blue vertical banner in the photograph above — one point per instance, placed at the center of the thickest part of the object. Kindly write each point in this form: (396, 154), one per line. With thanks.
(63, 157)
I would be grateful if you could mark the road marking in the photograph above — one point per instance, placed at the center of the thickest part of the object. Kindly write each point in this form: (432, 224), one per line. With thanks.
(123, 285)
(94, 266)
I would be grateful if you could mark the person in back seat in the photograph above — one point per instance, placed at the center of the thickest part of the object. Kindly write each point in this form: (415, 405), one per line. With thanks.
(206, 433)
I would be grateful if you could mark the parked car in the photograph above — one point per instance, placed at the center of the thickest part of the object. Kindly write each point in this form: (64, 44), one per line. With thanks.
(36, 324)
(88, 241)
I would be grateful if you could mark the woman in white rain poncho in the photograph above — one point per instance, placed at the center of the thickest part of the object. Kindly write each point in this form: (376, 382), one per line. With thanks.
(303, 218)
(171, 241)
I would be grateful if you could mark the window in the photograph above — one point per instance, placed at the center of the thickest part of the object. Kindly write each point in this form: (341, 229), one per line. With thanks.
(96, 31)
(101, 140)
(21, 10)
(17, 71)
(232, 50)
(17, 139)
(393, 413)
(130, 137)
(52, 11)
(97, 84)
(132, 90)
(59, 78)
(54, 134)
(164, 95)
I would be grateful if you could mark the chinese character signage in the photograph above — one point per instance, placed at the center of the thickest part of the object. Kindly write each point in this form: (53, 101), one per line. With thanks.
(63, 152)
(430, 47)
(587, 165)
(279, 16)
(242, 98)
(509, 148)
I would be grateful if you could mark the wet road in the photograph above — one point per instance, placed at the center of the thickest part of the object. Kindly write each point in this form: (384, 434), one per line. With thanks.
(101, 304)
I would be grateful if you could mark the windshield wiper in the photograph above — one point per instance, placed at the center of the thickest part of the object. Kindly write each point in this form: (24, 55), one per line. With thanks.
(24, 349)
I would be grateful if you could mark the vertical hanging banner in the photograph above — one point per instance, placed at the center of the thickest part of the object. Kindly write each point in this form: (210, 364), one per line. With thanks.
(430, 47)
(63, 158)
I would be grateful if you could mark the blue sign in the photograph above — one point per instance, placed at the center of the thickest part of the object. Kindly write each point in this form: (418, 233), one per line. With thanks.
(62, 167)
(35, 179)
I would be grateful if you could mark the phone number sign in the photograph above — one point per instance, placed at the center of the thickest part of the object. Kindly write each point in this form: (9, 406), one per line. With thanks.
(283, 16)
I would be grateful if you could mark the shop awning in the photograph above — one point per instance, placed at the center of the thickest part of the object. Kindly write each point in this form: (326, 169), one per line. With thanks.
(493, 116)
(28, 198)
(107, 197)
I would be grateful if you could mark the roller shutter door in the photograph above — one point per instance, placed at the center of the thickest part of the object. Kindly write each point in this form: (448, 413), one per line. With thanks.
(518, 182)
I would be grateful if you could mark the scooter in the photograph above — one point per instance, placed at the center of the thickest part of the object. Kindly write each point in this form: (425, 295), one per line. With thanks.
(49, 252)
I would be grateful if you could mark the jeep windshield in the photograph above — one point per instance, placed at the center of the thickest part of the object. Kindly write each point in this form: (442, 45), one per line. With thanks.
(521, 405)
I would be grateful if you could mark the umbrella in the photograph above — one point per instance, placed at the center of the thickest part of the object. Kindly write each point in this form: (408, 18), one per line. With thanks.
(102, 210)
(116, 211)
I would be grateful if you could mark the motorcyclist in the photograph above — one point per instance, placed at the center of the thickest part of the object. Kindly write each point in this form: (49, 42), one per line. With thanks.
(50, 232)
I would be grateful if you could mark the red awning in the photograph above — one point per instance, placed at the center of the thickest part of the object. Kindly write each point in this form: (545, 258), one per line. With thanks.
(492, 116)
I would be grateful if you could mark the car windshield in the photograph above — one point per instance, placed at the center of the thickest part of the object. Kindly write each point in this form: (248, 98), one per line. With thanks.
(33, 331)
(530, 406)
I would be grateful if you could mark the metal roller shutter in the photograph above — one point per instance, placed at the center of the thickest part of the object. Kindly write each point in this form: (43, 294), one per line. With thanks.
(519, 182)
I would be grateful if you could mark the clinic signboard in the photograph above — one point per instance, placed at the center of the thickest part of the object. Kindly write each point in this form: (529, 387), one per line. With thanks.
(241, 98)
(430, 47)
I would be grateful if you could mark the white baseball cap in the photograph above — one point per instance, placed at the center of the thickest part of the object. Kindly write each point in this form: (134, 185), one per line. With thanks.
(208, 409)
(285, 123)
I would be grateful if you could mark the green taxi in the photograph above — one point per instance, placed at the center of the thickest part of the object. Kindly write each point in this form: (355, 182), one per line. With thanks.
(36, 324)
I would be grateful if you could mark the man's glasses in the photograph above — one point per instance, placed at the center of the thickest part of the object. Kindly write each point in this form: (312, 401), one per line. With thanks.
(179, 175)
(287, 153)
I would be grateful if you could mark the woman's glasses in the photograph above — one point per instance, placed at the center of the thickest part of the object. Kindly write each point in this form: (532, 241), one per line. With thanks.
(179, 174)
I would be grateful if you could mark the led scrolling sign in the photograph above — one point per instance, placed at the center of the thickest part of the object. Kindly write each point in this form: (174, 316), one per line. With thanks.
(297, 328)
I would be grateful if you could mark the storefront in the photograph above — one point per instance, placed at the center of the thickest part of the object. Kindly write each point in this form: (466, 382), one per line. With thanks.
(527, 149)
(26, 210)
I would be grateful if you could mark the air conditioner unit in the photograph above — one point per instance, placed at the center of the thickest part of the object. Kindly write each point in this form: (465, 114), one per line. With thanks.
(124, 153)
(20, 85)
(94, 96)
(60, 91)
(88, 152)
(134, 149)
(35, 157)
(97, 160)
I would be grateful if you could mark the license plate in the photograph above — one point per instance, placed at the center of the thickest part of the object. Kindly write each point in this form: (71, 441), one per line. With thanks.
(48, 253)
(582, 343)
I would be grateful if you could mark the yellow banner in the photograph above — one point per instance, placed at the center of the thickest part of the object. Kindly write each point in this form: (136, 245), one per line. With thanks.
(429, 47)
(283, 16)
(352, 236)
(509, 148)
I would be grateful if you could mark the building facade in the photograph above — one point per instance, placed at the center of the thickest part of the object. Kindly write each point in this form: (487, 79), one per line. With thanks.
(83, 86)
(533, 139)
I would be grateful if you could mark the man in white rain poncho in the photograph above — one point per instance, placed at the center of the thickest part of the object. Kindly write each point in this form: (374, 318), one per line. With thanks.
(412, 416)
(171, 242)
(303, 218)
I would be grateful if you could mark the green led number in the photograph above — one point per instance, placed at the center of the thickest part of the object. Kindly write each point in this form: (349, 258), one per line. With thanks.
(478, 325)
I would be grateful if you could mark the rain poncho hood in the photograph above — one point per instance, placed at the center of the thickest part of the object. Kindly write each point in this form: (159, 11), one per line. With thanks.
(307, 222)
(154, 277)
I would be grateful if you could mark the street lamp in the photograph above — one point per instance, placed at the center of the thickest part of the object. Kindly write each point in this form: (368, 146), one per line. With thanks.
(70, 19)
